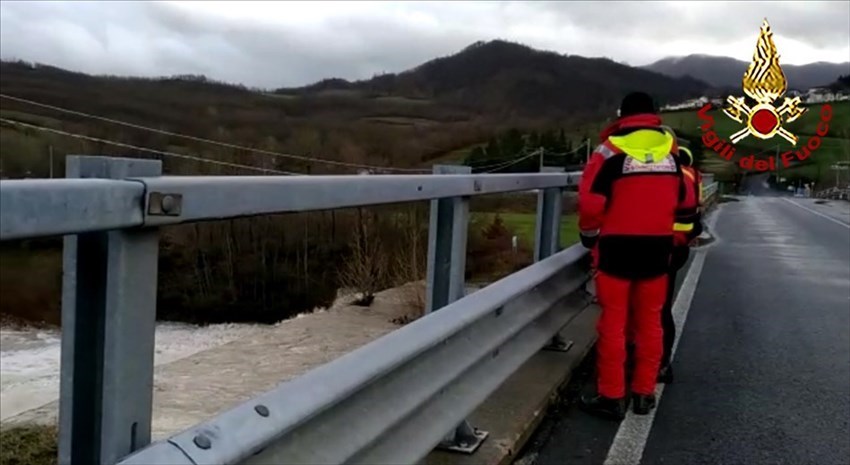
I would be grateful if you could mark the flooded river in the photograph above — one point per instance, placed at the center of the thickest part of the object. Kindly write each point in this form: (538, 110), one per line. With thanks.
(29, 358)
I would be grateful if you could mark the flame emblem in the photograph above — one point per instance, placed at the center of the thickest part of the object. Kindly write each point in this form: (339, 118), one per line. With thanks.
(765, 83)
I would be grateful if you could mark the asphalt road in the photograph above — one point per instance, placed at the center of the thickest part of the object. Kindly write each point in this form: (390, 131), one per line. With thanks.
(763, 364)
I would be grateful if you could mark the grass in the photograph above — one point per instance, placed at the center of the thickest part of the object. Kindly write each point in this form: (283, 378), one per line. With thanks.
(523, 225)
(834, 147)
(29, 445)
(31, 118)
(456, 156)
(805, 125)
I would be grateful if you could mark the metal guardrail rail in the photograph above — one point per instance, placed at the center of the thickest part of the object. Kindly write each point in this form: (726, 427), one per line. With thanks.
(709, 190)
(834, 193)
(391, 401)
(388, 402)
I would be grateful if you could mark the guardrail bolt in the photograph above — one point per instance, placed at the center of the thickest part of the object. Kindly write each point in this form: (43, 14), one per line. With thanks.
(165, 204)
(262, 410)
(168, 203)
(202, 442)
(476, 185)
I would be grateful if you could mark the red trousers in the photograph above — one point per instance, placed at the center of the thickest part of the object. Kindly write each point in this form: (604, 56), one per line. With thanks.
(645, 298)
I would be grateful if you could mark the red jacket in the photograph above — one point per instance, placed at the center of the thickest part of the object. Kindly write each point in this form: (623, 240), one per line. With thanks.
(688, 216)
(629, 195)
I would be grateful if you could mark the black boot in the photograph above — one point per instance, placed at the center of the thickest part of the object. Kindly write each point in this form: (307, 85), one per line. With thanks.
(665, 374)
(614, 409)
(643, 404)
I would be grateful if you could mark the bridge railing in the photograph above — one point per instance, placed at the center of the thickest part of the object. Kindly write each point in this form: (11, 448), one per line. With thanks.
(834, 193)
(390, 401)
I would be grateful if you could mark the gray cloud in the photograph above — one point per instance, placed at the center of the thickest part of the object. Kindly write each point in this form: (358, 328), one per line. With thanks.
(819, 24)
(286, 44)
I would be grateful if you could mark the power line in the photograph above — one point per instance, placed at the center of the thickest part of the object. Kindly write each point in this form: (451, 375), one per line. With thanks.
(520, 156)
(523, 156)
(144, 149)
(514, 162)
(209, 141)
(564, 154)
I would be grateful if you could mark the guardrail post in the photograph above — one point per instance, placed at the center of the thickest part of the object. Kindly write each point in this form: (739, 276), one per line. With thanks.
(108, 323)
(548, 237)
(447, 237)
(548, 227)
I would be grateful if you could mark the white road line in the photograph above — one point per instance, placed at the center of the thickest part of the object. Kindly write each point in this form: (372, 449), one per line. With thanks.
(817, 213)
(631, 438)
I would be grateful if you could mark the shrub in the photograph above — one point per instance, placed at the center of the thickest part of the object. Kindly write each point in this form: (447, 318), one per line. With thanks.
(491, 254)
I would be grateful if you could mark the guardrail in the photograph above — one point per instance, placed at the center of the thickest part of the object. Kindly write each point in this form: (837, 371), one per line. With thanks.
(834, 193)
(390, 401)
(709, 191)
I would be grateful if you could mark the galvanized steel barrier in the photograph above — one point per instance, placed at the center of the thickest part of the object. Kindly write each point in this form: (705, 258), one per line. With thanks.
(834, 193)
(390, 401)
(709, 191)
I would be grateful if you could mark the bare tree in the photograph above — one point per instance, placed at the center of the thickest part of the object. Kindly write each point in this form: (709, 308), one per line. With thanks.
(366, 269)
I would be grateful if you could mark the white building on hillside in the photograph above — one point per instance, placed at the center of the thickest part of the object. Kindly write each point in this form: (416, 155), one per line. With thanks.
(819, 95)
(688, 104)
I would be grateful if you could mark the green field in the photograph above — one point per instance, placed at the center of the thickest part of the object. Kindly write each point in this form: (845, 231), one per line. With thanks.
(834, 147)
(523, 225)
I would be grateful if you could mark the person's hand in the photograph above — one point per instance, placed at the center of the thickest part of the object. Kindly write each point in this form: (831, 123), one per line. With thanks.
(589, 240)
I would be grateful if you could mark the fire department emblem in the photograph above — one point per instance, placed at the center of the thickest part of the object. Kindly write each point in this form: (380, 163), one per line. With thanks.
(764, 82)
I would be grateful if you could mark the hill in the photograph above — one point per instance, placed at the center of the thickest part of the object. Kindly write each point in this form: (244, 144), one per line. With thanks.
(728, 72)
(403, 120)
(348, 132)
(842, 83)
(506, 78)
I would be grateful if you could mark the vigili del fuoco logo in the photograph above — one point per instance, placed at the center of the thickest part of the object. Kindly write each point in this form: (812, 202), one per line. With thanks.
(765, 84)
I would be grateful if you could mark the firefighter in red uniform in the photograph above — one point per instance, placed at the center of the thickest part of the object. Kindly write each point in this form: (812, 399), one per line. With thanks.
(628, 199)
(685, 231)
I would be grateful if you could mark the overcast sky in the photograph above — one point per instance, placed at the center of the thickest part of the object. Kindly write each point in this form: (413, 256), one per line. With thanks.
(270, 44)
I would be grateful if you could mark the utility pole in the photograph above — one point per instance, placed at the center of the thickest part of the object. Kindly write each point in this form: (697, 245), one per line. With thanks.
(541, 159)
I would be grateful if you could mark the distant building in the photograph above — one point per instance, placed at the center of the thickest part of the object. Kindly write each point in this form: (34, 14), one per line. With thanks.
(819, 95)
(688, 104)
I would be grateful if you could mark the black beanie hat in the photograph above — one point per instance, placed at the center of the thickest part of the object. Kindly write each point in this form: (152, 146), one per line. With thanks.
(636, 103)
